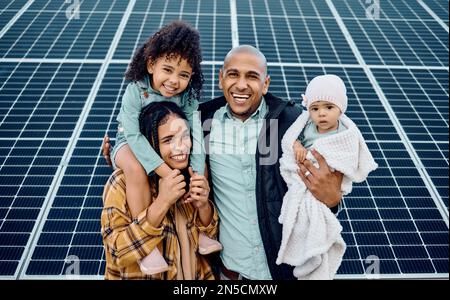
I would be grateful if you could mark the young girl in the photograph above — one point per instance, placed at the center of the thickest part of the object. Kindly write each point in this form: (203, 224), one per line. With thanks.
(311, 238)
(166, 68)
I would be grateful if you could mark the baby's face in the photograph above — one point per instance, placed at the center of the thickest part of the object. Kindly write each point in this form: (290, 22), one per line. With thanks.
(325, 115)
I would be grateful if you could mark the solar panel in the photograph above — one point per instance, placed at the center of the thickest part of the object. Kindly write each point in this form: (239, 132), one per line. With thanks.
(61, 86)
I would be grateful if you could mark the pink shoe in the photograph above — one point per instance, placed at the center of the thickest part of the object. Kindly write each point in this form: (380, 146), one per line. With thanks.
(207, 245)
(153, 263)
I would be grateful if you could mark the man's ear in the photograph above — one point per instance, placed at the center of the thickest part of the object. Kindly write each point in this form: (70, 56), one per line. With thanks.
(266, 85)
(220, 78)
(150, 66)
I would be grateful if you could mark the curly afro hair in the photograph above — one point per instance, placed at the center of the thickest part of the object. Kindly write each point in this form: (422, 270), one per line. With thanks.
(175, 39)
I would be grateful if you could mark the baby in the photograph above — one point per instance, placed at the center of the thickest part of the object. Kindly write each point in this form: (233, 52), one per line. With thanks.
(326, 100)
(311, 237)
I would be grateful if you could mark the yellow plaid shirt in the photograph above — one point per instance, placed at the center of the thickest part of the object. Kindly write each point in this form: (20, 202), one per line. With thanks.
(127, 241)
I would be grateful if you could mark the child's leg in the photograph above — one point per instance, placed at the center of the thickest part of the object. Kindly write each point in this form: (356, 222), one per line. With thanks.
(137, 186)
(207, 245)
(138, 199)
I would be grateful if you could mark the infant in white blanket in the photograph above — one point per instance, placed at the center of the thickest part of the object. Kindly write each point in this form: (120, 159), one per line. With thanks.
(311, 239)
(326, 99)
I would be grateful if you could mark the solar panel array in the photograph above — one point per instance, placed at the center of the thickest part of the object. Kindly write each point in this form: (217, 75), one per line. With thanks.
(62, 80)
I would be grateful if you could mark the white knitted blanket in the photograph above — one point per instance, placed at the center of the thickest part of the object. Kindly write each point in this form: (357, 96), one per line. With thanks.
(312, 240)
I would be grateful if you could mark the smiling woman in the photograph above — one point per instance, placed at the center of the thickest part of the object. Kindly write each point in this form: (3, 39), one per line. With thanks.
(174, 221)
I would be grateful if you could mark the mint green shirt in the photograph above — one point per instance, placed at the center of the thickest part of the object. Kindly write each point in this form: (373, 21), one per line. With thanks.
(233, 145)
(310, 134)
(133, 101)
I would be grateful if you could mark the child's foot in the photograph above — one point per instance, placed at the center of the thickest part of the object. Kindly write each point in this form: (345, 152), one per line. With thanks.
(207, 245)
(153, 263)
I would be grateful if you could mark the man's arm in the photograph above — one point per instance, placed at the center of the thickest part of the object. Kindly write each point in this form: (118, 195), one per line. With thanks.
(324, 184)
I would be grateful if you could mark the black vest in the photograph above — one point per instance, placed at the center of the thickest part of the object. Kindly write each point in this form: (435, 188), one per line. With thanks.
(270, 186)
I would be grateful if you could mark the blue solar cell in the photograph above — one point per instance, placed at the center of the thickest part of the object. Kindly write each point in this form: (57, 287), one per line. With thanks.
(433, 238)
(53, 239)
(11, 253)
(43, 101)
(370, 238)
(53, 253)
(411, 266)
(23, 214)
(367, 226)
(348, 238)
(441, 265)
(59, 226)
(89, 226)
(351, 267)
(87, 253)
(8, 267)
(431, 225)
(16, 226)
(382, 252)
(404, 238)
(85, 239)
(351, 253)
(404, 252)
(7, 239)
(50, 267)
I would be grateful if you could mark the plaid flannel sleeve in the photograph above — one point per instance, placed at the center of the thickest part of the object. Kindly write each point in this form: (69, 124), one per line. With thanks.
(127, 240)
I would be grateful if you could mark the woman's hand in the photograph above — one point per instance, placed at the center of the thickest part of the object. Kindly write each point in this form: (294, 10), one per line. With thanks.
(171, 188)
(198, 190)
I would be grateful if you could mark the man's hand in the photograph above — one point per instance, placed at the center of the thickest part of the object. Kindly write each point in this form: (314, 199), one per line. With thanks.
(106, 150)
(300, 152)
(322, 183)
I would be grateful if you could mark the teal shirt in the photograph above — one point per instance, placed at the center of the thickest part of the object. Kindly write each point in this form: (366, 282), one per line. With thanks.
(310, 134)
(133, 101)
(233, 145)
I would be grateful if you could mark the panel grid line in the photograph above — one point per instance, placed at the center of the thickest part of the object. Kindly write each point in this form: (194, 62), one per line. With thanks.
(433, 15)
(71, 147)
(52, 172)
(15, 18)
(403, 199)
(234, 24)
(29, 26)
(419, 36)
(276, 45)
(423, 172)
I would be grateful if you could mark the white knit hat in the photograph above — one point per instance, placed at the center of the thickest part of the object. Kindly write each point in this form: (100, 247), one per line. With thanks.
(328, 88)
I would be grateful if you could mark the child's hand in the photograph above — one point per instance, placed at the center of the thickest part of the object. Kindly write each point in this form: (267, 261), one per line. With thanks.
(300, 152)
(198, 191)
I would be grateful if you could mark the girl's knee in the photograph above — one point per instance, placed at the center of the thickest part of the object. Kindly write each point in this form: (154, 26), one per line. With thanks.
(135, 169)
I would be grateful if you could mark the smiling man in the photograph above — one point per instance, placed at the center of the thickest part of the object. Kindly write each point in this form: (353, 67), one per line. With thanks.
(247, 187)
(243, 142)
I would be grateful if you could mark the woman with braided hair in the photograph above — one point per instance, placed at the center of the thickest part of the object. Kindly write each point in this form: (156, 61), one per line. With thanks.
(165, 68)
(173, 220)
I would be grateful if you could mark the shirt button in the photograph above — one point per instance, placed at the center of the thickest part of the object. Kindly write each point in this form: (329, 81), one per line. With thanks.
(256, 249)
(254, 222)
